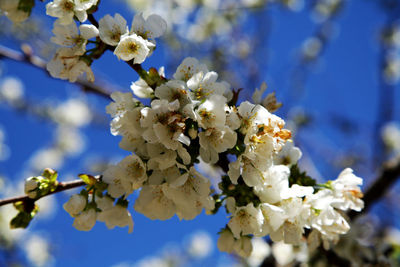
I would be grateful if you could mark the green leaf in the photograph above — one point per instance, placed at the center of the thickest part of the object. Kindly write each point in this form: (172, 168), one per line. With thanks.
(24, 217)
(300, 178)
(88, 179)
(22, 220)
(51, 175)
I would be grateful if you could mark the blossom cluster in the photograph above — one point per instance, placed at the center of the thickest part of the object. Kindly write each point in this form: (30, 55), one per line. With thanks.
(192, 117)
(73, 58)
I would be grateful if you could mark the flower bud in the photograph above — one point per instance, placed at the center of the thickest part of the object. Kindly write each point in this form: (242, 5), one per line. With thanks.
(32, 186)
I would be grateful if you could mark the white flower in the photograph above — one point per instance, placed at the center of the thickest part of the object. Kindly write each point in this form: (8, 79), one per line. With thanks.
(152, 27)
(226, 241)
(65, 10)
(88, 31)
(153, 203)
(114, 215)
(214, 141)
(67, 65)
(68, 35)
(128, 175)
(123, 102)
(111, 29)
(274, 217)
(246, 220)
(243, 246)
(232, 118)
(75, 205)
(164, 124)
(211, 113)
(188, 68)
(203, 85)
(84, 4)
(289, 155)
(162, 158)
(290, 233)
(133, 47)
(171, 175)
(85, 220)
(191, 196)
(173, 90)
(141, 89)
(347, 192)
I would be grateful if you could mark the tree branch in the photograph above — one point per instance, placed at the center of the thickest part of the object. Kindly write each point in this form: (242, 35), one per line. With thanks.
(390, 173)
(35, 61)
(62, 186)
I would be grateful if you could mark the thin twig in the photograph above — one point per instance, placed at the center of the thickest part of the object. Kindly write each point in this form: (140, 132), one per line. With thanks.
(35, 61)
(62, 186)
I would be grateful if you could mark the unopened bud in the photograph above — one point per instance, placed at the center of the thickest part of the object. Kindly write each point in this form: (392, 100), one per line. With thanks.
(32, 185)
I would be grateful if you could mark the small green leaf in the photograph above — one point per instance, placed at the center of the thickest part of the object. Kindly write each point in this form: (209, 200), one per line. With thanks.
(300, 178)
(88, 179)
(24, 217)
(51, 175)
(22, 220)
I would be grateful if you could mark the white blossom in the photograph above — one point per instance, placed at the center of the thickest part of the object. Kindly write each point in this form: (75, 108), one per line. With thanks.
(85, 220)
(88, 31)
(75, 204)
(214, 141)
(211, 113)
(346, 191)
(188, 68)
(153, 203)
(114, 215)
(65, 10)
(133, 47)
(243, 246)
(67, 65)
(125, 177)
(289, 155)
(203, 85)
(152, 27)
(246, 220)
(226, 241)
(173, 90)
(191, 196)
(111, 29)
